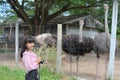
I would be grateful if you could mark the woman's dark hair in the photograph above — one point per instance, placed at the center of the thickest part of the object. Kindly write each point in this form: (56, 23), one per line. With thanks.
(28, 39)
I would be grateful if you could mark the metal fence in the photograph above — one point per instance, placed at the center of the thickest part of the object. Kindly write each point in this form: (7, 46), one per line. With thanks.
(87, 65)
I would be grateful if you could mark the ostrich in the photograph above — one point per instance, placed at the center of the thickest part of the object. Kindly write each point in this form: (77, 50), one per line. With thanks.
(46, 40)
(102, 41)
(77, 45)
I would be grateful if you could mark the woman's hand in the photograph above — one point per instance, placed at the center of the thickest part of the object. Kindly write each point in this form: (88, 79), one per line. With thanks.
(38, 60)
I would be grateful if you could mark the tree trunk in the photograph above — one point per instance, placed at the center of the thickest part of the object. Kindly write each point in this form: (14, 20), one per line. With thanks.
(36, 29)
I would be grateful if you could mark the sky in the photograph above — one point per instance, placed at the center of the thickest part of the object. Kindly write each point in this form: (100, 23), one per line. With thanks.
(3, 8)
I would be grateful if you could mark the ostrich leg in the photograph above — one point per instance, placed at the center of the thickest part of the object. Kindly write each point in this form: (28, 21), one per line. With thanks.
(97, 66)
(77, 60)
(46, 60)
(44, 53)
(47, 54)
(70, 65)
(107, 59)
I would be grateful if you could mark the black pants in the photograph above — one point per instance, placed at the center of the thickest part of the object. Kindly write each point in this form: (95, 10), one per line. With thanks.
(32, 75)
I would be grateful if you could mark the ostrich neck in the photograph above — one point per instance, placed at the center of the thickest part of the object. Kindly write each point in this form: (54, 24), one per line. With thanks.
(106, 22)
(80, 33)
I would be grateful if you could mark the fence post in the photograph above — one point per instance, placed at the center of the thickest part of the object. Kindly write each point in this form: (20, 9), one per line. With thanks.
(16, 42)
(113, 40)
(59, 48)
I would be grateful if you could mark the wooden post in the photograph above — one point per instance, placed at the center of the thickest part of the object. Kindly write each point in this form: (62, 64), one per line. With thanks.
(113, 40)
(16, 42)
(6, 46)
(59, 48)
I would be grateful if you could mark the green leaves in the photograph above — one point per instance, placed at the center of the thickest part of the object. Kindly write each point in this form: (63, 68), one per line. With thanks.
(78, 2)
(10, 74)
(39, 12)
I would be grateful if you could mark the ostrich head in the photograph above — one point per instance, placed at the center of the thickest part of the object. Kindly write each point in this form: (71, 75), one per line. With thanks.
(106, 7)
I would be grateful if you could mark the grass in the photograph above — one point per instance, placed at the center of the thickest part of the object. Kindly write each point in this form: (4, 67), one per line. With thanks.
(2, 50)
(18, 74)
(51, 52)
(46, 74)
(47, 71)
(9, 50)
(11, 74)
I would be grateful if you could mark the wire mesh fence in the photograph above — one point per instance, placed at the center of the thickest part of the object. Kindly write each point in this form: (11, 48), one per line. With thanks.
(87, 64)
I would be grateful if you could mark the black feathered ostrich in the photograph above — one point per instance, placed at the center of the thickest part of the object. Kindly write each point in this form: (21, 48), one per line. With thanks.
(77, 45)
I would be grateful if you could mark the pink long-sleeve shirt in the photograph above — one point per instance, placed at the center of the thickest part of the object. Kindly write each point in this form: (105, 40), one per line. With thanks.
(29, 61)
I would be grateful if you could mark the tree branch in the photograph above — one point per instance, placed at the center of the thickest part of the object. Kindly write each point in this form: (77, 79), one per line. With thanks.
(39, 7)
(89, 6)
(14, 8)
(27, 20)
(23, 1)
(20, 12)
(36, 15)
(60, 11)
(67, 7)
(47, 7)
(49, 4)
(36, 5)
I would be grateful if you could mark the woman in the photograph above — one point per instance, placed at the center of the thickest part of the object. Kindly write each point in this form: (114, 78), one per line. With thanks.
(30, 59)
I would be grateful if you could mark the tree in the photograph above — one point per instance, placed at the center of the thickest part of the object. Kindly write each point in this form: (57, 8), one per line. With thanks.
(38, 12)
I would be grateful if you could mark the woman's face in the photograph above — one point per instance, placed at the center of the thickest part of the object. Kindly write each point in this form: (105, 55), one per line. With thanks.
(30, 45)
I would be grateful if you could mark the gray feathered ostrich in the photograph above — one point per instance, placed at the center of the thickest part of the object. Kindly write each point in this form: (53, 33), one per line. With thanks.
(102, 41)
(46, 40)
(77, 45)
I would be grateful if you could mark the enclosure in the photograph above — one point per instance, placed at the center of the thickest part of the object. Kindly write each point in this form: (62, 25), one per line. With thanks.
(87, 64)
(72, 47)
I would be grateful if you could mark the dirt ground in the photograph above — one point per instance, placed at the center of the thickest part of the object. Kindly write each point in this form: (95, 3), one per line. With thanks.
(87, 66)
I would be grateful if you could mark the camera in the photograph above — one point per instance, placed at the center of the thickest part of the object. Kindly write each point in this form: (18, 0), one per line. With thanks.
(41, 62)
